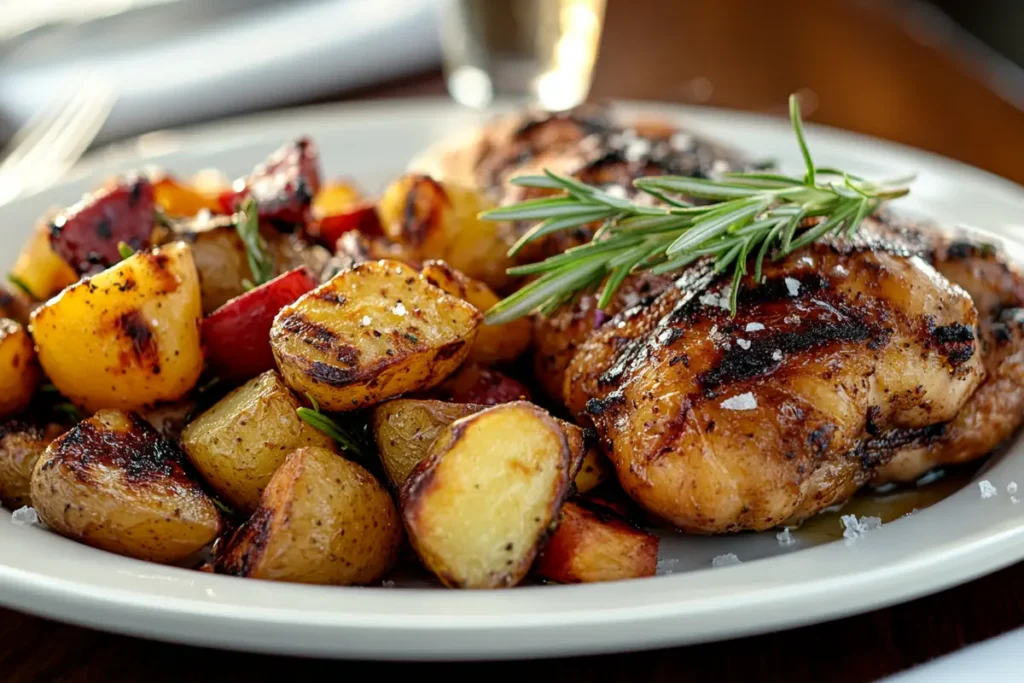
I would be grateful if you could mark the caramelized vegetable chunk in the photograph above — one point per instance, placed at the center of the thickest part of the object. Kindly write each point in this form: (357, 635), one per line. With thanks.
(284, 185)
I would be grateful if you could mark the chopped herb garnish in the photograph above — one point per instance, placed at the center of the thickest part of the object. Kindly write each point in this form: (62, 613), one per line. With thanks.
(331, 428)
(20, 284)
(411, 337)
(220, 505)
(125, 250)
(247, 223)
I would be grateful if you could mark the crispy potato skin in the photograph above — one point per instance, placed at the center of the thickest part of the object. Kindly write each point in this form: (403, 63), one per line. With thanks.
(21, 445)
(405, 429)
(113, 483)
(135, 329)
(239, 443)
(593, 544)
(434, 220)
(40, 268)
(372, 332)
(494, 343)
(479, 506)
(19, 370)
(322, 520)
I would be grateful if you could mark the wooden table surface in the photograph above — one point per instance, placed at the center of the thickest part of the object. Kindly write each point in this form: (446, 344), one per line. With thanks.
(891, 75)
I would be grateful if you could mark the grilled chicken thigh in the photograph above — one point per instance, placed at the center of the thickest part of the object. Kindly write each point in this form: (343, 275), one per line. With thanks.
(845, 353)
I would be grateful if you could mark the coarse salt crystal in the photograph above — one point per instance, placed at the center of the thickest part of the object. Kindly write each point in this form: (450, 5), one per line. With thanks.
(26, 516)
(791, 319)
(712, 299)
(1014, 500)
(726, 346)
(387, 583)
(742, 402)
(681, 141)
(714, 330)
(616, 191)
(667, 565)
(987, 489)
(777, 355)
(754, 327)
(719, 166)
(399, 309)
(726, 560)
(637, 150)
(1011, 487)
(854, 528)
(792, 285)
(365, 322)
(785, 538)
(743, 343)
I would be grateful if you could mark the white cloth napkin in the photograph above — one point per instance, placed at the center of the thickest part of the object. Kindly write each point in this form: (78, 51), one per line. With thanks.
(181, 62)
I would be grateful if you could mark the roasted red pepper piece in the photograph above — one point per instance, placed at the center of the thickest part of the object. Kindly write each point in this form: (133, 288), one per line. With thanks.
(283, 186)
(362, 217)
(237, 335)
(86, 234)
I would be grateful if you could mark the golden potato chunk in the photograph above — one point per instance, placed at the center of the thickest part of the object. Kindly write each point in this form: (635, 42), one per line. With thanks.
(239, 443)
(370, 333)
(39, 269)
(113, 483)
(494, 343)
(127, 337)
(21, 444)
(438, 220)
(592, 544)
(19, 371)
(322, 519)
(406, 428)
(481, 503)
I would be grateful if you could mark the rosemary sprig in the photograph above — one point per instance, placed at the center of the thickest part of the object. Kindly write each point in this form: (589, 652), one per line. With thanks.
(325, 424)
(260, 264)
(746, 216)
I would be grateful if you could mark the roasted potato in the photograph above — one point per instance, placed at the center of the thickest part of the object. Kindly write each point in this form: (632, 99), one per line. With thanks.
(129, 336)
(322, 519)
(405, 429)
(39, 269)
(480, 505)
(239, 443)
(21, 444)
(494, 343)
(372, 332)
(592, 543)
(113, 483)
(19, 370)
(435, 220)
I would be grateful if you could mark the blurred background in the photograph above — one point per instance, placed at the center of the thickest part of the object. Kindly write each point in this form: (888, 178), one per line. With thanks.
(943, 75)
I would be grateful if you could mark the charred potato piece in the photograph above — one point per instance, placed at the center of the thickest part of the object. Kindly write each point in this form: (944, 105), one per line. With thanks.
(322, 519)
(19, 371)
(39, 269)
(21, 444)
(113, 483)
(494, 343)
(592, 543)
(371, 333)
(406, 428)
(436, 220)
(480, 505)
(135, 329)
(239, 443)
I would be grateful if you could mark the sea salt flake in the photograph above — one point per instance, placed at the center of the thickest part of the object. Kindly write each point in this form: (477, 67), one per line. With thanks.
(667, 565)
(399, 309)
(777, 355)
(987, 489)
(791, 320)
(1011, 487)
(637, 150)
(712, 299)
(742, 402)
(365, 322)
(681, 141)
(727, 560)
(785, 538)
(387, 583)
(754, 327)
(617, 191)
(714, 330)
(792, 285)
(743, 344)
(26, 516)
(854, 528)
(1014, 500)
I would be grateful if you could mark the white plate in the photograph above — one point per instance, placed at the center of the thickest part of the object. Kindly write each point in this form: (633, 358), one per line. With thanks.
(958, 539)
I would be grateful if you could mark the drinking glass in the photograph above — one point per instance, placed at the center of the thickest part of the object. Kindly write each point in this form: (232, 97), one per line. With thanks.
(542, 51)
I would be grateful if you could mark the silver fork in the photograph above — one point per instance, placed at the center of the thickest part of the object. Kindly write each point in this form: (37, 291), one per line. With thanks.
(52, 141)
